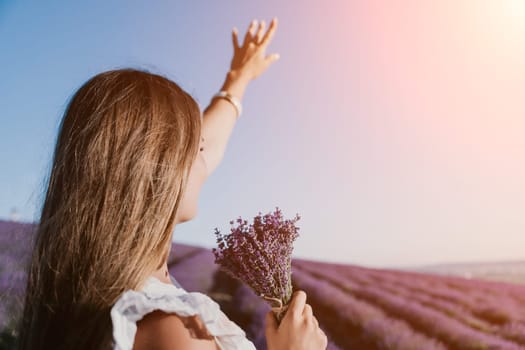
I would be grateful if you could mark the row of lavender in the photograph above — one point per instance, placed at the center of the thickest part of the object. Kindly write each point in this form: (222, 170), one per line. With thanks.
(359, 308)
(385, 318)
(386, 309)
(362, 308)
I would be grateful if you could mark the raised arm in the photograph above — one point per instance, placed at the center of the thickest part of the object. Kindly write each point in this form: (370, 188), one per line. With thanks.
(219, 119)
(248, 62)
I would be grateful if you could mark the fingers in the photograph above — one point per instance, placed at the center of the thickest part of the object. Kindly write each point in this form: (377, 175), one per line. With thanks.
(249, 35)
(272, 58)
(259, 34)
(324, 339)
(321, 335)
(269, 34)
(256, 33)
(309, 316)
(235, 39)
(253, 27)
(312, 321)
(297, 304)
(316, 323)
(307, 312)
(271, 322)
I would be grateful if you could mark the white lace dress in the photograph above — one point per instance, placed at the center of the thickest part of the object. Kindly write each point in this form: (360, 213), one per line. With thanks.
(157, 295)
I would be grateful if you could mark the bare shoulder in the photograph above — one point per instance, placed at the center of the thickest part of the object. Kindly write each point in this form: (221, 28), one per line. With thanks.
(168, 331)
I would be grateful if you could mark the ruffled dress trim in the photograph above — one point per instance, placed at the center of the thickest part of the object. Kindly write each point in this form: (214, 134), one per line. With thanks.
(157, 295)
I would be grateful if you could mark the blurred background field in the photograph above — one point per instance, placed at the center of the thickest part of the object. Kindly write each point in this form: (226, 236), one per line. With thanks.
(357, 307)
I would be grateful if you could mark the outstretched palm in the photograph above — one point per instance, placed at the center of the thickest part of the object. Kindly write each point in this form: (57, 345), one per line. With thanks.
(250, 59)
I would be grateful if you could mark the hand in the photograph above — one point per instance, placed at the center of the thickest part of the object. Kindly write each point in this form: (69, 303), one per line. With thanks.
(250, 59)
(299, 329)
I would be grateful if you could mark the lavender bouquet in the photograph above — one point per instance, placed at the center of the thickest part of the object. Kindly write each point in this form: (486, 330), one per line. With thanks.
(259, 255)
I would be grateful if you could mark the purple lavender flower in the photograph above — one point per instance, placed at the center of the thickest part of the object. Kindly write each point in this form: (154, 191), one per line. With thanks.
(259, 255)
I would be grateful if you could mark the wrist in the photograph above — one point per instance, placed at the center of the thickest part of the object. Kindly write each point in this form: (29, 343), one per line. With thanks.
(236, 75)
(235, 83)
(231, 99)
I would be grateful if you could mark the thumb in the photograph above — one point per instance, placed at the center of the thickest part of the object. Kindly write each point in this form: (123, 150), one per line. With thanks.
(271, 322)
(273, 57)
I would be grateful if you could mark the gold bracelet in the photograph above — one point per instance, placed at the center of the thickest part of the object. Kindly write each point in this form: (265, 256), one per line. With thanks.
(232, 99)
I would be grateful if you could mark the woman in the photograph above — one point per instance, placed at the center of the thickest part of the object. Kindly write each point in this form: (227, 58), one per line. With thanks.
(131, 156)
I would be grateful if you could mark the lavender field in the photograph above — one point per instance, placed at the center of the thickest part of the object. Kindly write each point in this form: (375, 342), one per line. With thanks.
(358, 308)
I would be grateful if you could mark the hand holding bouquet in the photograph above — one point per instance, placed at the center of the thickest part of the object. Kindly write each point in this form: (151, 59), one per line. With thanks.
(260, 256)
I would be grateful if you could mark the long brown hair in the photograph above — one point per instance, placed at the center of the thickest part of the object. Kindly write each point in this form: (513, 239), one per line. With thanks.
(124, 150)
